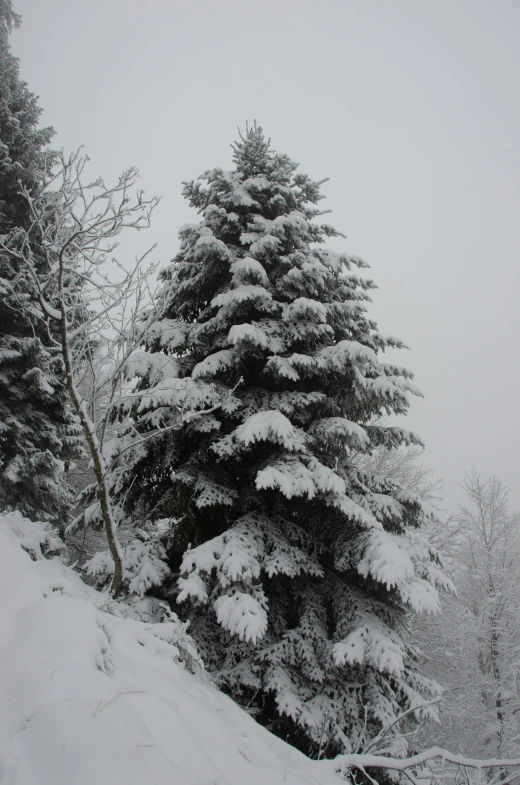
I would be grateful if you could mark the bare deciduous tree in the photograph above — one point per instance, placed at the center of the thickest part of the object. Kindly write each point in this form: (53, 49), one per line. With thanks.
(75, 226)
(84, 295)
(473, 648)
(489, 559)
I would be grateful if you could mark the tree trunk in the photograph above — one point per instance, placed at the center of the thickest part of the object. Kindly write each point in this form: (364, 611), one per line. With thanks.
(89, 430)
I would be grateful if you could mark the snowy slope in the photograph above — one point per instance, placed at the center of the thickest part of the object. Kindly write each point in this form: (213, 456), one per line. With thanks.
(90, 698)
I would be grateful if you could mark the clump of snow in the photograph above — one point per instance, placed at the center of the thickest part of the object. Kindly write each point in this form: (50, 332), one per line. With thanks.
(213, 364)
(144, 566)
(270, 425)
(240, 294)
(372, 643)
(249, 268)
(400, 561)
(242, 614)
(294, 478)
(90, 695)
(157, 366)
(39, 540)
(303, 308)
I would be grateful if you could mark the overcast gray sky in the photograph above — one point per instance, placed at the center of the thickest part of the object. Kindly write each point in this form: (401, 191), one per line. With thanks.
(411, 107)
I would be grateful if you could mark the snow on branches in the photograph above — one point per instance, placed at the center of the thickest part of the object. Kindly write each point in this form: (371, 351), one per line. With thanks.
(289, 555)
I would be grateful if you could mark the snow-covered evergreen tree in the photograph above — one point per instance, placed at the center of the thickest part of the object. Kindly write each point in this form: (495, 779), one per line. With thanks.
(296, 567)
(37, 431)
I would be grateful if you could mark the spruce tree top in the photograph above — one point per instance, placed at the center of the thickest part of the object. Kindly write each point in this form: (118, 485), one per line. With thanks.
(252, 275)
(23, 157)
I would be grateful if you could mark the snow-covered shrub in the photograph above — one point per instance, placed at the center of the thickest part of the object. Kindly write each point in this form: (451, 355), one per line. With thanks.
(144, 564)
(174, 631)
(38, 539)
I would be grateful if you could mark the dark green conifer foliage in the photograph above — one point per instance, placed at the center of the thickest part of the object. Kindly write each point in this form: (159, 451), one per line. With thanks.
(37, 431)
(296, 568)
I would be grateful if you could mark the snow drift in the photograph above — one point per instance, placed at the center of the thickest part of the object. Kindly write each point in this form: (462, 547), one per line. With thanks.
(92, 697)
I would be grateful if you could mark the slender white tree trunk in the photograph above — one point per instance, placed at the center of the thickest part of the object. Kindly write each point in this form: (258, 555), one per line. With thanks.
(94, 446)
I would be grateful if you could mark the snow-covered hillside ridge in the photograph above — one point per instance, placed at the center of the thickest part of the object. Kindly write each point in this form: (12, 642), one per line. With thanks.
(91, 697)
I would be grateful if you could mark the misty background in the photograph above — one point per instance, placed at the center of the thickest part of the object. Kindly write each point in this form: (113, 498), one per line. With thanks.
(411, 107)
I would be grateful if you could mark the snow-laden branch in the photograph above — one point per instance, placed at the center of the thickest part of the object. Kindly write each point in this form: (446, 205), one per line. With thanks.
(185, 417)
(361, 761)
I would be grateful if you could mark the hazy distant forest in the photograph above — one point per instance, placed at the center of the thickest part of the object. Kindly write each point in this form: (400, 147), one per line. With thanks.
(215, 441)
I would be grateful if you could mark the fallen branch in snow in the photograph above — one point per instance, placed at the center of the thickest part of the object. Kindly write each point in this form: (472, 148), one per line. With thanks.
(99, 707)
(343, 763)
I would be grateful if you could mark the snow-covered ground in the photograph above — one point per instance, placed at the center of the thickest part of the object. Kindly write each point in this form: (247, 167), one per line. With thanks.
(88, 697)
